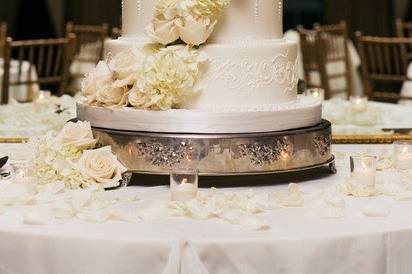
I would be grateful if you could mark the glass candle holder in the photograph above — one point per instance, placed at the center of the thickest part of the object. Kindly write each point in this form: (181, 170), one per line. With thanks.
(359, 103)
(43, 96)
(184, 185)
(363, 170)
(317, 93)
(23, 172)
(403, 154)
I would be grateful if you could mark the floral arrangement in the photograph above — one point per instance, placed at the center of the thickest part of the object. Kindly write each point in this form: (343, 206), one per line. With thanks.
(152, 78)
(70, 158)
(193, 21)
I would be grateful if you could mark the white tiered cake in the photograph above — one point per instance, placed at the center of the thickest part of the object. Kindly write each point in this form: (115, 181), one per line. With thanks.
(249, 83)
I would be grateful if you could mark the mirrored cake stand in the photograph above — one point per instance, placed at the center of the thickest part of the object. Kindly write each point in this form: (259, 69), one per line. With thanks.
(223, 154)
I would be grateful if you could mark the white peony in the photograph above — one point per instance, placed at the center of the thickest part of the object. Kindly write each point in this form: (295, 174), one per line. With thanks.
(78, 135)
(102, 166)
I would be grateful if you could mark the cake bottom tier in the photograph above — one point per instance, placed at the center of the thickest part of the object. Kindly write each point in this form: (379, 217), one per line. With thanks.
(304, 112)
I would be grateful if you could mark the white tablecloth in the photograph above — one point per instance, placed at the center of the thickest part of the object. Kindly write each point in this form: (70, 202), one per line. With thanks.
(377, 117)
(297, 242)
(333, 68)
(20, 92)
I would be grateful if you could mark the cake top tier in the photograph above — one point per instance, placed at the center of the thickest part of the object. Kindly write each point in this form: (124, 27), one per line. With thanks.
(242, 20)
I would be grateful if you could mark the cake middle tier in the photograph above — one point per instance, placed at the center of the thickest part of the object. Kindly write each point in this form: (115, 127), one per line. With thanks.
(248, 75)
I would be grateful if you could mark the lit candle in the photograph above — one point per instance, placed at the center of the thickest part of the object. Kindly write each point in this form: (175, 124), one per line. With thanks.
(359, 103)
(403, 155)
(43, 96)
(316, 93)
(363, 170)
(184, 185)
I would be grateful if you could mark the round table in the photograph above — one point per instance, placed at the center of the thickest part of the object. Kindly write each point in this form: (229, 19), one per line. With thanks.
(298, 240)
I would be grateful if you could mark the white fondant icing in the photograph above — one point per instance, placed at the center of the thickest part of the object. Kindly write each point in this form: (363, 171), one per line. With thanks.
(269, 118)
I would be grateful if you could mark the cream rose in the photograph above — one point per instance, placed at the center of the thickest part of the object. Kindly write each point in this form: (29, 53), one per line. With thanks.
(112, 96)
(102, 166)
(99, 77)
(126, 66)
(163, 31)
(78, 135)
(195, 31)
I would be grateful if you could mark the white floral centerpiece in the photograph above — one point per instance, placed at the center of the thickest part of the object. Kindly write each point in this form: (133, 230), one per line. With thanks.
(152, 78)
(70, 158)
(193, 21)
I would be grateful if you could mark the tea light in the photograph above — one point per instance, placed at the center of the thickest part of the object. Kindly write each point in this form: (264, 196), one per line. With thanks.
(403, 154)
(316, 93)
(359, 103)
(184, 185)
(43, 96)
(22, 172)
(363, 170)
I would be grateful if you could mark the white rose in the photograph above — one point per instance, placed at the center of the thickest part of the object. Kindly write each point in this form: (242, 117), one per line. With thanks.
(163, 31)
(112, 96)
(99, 77)
(195, 31)
(78, 134)
(126, 66)
(102, 166)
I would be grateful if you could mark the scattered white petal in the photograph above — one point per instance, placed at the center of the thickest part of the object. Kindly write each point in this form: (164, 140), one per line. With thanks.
(63, 210)
(38, 216)
(404, 196)
(93, 216)
(375, 210)
(123, 216)
(254, 224)
(333, 199)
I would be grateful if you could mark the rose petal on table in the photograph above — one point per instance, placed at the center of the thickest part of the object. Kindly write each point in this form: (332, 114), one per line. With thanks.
(404, 196)
(93, 216)
(375, 210)
(63, 210)
(122, 216)
(251, 223)
(38, 216)
(333, 199)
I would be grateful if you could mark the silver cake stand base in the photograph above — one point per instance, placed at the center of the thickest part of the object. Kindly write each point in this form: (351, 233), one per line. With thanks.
(225, 154)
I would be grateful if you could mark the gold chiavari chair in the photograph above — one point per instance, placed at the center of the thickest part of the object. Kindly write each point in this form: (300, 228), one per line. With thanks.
(404, 29)
(49, 58)
(3, 37)
(314, 62)
(89, 43)
(384, 63)
(338, 62)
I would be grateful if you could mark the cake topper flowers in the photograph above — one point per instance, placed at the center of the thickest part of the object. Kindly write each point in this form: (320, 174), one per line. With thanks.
(193, 21)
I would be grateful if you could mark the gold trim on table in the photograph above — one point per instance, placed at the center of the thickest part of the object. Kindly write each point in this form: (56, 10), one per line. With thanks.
(13, 140)
(370, 139)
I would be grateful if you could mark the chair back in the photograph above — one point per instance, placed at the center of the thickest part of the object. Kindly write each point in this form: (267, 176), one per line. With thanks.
(404, 29)
(314, 62)
(3, 37)
(384, 62)
(42, 62)
(326, 58)
(89, 42)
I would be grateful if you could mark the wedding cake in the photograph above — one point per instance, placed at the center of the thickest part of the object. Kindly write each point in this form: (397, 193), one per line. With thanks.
(199, 66)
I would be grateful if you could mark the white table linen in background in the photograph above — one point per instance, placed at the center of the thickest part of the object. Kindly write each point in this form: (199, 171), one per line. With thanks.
(20, 92)
(407, 88)
(377, 117)
(297, 242)
(333, 68)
